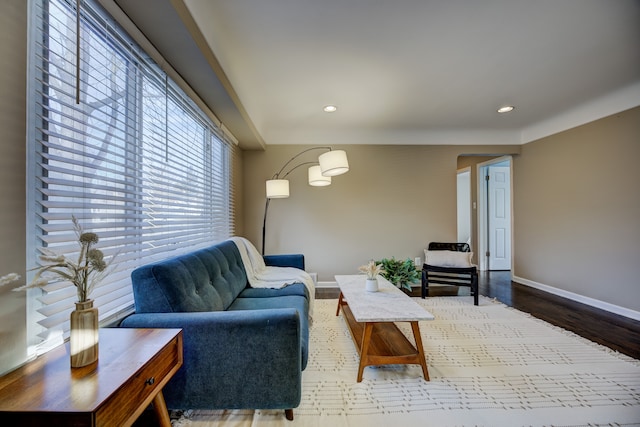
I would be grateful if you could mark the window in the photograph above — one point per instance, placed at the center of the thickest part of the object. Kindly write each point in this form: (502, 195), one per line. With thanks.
(136, 161)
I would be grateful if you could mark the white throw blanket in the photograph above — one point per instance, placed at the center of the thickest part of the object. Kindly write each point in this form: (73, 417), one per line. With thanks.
(263, 276)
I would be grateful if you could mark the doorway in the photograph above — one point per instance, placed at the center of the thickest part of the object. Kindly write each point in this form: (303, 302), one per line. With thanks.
(464, 205)
(494, 214)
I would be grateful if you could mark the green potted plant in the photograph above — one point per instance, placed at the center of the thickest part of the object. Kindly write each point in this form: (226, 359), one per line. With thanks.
(401, 273)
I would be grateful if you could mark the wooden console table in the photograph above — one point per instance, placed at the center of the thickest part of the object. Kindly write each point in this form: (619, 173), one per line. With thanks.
(132, 368)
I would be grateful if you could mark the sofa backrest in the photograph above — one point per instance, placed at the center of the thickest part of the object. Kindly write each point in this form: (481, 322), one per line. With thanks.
(208, 279)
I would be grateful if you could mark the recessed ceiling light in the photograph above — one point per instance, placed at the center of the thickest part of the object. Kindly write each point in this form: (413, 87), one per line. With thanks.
(329, 108)
(506, 109)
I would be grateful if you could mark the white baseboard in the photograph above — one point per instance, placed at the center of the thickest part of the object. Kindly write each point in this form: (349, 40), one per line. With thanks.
(327, 284)
(616, 309)
(314, 277)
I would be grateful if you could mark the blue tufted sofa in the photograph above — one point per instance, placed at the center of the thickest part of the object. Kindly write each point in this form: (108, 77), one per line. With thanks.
(244, 348)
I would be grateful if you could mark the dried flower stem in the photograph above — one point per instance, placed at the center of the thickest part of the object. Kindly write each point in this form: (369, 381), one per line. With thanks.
(9, 278)
(85, 274)
(371, 269)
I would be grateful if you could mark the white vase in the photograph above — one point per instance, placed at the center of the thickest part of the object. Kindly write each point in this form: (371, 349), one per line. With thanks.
(371, 285)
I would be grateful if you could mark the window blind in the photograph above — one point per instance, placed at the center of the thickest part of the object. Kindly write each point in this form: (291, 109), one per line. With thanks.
(136, 161)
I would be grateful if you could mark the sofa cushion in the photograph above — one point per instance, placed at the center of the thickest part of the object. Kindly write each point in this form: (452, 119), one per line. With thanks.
(226, 270)
(298, 289)
(190, 288)
(290, 301)
(208, 279)
(445, 258)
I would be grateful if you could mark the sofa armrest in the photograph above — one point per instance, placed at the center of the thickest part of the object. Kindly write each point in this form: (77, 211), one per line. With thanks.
(286, 260)
(244, 359)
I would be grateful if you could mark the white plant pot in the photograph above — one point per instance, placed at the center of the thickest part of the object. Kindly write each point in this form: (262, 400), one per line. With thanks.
(371, 285)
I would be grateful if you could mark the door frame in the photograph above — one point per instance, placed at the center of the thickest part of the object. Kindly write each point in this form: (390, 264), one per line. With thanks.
(481, 226)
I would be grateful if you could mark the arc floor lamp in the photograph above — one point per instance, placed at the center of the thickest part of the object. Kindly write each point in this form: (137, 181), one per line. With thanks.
(331, 163)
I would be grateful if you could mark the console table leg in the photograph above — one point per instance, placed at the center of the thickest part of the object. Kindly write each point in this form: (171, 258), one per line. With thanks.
(160, 408)
(421, 357)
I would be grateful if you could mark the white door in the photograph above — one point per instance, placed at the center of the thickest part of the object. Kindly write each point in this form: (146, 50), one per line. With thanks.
(499, 207)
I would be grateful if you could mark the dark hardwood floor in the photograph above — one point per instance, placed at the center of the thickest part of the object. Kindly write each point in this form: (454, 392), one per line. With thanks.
(616, 332)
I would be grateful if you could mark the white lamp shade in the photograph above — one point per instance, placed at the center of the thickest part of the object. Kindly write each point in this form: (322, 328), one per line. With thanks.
(333, 163)
(316, 178)
(277, 188)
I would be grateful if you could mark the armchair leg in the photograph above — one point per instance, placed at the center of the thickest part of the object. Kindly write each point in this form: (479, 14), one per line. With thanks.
(425, 284)
(288, 413)
(474, 288)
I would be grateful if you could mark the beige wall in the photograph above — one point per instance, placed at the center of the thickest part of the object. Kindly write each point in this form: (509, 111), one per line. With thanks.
(472, 162)
(576, 199)
(577, 210)
(392, 202)
(13, 39)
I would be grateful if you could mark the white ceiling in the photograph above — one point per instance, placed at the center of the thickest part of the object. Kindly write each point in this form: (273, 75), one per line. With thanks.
(401, 71)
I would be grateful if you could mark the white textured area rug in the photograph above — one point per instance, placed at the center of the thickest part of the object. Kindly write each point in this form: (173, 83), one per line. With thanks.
(489, 365)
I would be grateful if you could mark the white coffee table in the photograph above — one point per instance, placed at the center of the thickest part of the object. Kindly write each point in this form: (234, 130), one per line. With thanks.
(371, 316)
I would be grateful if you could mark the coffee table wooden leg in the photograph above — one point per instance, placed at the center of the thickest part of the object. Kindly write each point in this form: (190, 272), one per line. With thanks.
(160, 408)
(366, 340)
(339, 304)
(421, 357)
